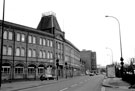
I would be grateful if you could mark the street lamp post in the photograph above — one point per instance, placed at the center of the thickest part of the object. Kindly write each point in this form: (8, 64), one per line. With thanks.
(2, 31)
(111, 52)
(121, 58)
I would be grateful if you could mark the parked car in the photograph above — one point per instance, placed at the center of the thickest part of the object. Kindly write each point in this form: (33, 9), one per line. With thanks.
(47, 77)
(91, 74)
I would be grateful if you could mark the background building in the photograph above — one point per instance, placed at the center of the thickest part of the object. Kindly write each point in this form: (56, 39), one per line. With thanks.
(89, 58)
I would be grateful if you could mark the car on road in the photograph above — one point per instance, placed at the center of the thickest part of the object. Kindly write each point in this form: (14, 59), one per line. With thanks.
(47, 77)
(91, 74)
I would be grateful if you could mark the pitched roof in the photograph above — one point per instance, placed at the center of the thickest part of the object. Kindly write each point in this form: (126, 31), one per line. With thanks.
(48, 22)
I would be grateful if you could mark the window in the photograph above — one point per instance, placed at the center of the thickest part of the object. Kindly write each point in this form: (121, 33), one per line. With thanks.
(29, 53)
(23, 38)
(44, 42)
(40, 70)
(34, 53)
(58, 46)
(5, 69)
(58, 56)
(48, 54)
(44, 54)
(40, 41)
(51, 55)
(4, 50)
(17, 51)
(34, 40)
(31, 70)
(40, 54)
(9, 51)
(19, 70)
(18, 37)
(5, 35)
(10, 36)
(61, 46)
(48, 43)
(30, 39)
(51, 43)
(22, 51)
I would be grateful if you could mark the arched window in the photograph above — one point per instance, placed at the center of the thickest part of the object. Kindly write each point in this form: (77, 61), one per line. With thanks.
(4, 50)
(18, 37)
(22, 51)
(5, 35)
(40, 54)
(9, 51)
(34, 53)
(44, 54)
(44, 41)
(10, 36)
(30, 39)
(34, 40)
(29, 53)
(48, 54)
(40, 41)
(17, 51)
(23, 38)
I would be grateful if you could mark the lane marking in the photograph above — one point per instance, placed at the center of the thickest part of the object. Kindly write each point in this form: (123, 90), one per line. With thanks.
(102, 88)
(81, 82)
(63, 89)
(74, 85)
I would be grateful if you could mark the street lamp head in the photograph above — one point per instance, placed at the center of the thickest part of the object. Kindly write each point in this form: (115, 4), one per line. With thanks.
(106, 16)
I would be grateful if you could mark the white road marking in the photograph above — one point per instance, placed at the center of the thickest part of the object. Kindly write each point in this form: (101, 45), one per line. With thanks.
(81, 82)
(102, 88)
(63, 89)
(74, 85)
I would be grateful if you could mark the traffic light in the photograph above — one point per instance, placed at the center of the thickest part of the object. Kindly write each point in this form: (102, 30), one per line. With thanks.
(65, 63)
(57, 62)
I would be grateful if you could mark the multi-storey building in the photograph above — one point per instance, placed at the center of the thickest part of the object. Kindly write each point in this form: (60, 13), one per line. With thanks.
(90, 60)
(72, 57)
(29, 52)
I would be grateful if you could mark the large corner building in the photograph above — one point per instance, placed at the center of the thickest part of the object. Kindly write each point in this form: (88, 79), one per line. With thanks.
(28, 53)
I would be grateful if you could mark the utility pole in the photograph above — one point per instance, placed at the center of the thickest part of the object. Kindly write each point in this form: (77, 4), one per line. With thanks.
(2, 31)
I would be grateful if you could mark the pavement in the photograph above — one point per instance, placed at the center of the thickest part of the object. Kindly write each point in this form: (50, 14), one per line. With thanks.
(116, 83)
(16, 86)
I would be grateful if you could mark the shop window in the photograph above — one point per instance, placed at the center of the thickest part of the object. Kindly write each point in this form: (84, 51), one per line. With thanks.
(31, 70)
(40, 70)
(5, 69)
(19, 70)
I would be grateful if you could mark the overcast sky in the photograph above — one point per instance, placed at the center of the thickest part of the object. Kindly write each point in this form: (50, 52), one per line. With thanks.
(83, 22)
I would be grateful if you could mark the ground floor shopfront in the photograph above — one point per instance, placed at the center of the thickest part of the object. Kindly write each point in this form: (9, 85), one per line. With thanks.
(12, 70)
